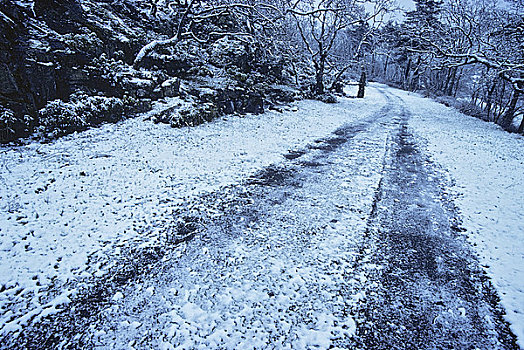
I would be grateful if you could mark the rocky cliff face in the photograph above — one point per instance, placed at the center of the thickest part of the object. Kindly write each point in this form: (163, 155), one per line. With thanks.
(48, 50)
(58, 49)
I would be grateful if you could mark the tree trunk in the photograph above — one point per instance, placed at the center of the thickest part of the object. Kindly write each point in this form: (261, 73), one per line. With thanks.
(521, 127)
(386, 67)
(509, 115)
(337, 85)
(451, 82)
(499, 104)
(361, 85)
(319, 78)
(295, 73)
(415, 83)
(446, 84)
(373, 64)
(489, 99)
(457, 83)
(406, 75)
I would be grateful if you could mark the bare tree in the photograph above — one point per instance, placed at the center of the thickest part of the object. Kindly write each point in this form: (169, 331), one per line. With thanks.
(486, 35)
(191, 15)
(480, 44)
(320, 25)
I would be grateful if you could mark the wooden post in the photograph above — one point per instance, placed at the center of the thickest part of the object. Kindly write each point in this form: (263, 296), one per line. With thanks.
(361, 85)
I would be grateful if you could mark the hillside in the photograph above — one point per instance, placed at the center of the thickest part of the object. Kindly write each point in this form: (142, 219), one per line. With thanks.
(69, 64)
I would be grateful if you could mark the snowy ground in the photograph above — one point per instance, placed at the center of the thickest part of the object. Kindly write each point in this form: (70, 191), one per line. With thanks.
(487, 166)
(273, 274)
(284, 198)
(80, 197)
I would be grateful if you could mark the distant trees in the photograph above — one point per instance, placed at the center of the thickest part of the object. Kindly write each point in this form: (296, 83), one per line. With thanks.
(333, 33)
(421, 29)
(492, 39)
(448, 45)
(458, 48)
(319, 24)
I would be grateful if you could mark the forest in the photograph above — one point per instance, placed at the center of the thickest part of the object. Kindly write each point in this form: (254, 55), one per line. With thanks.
(67, 65)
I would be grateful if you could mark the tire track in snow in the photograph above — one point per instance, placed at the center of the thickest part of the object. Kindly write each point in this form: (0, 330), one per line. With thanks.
(270, 264)
(422, 287)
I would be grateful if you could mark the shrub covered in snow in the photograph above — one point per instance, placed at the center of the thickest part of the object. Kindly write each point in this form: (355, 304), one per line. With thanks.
(194, 115)
(59, 118)
(134, 105)
(471, 109)
(87, 43)
(184, 59)
(445, 100)
(12, 127)
(7, 124)
(283, 93)
(327, 98)
(99, 109)
(463, 106)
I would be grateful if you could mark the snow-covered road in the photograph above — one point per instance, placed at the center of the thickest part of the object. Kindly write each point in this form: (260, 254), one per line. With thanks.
(272, 272)
(485, 164)
(68, 205)
(282, 206)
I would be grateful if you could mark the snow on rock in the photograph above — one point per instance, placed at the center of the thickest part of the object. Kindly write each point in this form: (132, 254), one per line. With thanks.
(118, 296)
(487, 165)
(66, 204)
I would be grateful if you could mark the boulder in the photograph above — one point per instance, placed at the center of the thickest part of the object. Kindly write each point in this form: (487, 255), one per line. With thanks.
(170, 87)
(282, 93)
(254, 103)
(138, 87)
